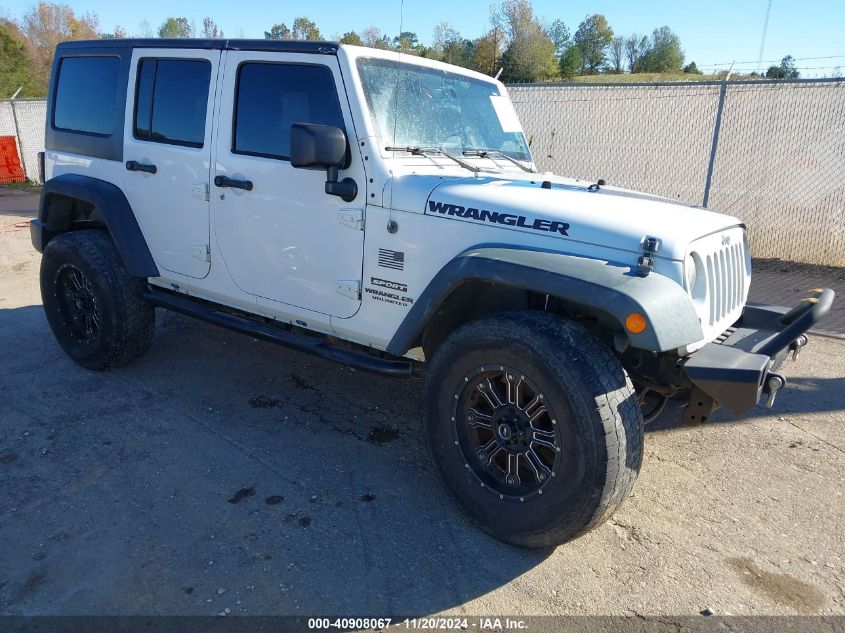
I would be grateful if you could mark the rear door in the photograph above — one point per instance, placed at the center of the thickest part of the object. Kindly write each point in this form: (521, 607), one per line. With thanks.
(167, 149)
(283, 238)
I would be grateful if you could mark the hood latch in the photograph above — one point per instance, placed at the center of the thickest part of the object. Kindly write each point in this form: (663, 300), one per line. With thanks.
(645, 264)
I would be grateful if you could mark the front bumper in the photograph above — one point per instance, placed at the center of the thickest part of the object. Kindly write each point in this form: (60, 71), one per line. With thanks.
(739, 369)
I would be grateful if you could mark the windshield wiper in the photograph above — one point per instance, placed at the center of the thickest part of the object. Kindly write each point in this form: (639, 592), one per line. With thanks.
(483, 153)
(425, 151)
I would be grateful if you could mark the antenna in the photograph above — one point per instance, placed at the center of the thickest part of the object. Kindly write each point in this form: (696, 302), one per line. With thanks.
(763, 40)
(398, 71)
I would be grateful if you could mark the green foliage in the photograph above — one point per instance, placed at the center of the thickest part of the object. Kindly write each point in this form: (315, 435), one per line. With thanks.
(664, 53)
(278, 32)
(352, 38)
(692, 69)
(406, 42)
(530, 52)
(16, 69)
(176, 28)
(560, 35)
(593, 37)
(571, 62)
(786, 69)
(305, 29)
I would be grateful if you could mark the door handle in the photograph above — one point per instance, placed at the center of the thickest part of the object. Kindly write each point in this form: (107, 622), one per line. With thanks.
(224, 181)
(134, 165)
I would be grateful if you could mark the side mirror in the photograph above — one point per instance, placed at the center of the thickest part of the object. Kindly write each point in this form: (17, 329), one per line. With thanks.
(315, 146)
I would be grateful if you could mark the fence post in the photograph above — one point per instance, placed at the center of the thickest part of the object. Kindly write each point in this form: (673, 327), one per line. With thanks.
(18, 134)
(722, 91)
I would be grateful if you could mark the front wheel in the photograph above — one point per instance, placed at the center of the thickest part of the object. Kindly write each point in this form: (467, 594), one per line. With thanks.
(534, 426)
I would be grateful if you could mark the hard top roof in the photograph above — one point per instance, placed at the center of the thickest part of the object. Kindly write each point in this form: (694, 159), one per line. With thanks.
(282, 46)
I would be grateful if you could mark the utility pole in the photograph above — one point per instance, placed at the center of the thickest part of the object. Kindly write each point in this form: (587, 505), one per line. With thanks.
(763, 40)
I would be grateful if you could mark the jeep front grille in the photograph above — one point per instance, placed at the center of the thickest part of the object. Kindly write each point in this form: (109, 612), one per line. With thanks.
(726, 279)
(721, 281)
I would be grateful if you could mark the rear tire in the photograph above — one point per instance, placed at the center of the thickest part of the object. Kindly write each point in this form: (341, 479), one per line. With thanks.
(95, 309)
(534, 426)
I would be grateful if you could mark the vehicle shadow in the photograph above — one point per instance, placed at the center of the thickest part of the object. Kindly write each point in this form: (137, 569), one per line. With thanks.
(220, 472)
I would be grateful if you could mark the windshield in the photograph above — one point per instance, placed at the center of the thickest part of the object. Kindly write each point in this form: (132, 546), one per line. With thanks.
(415, 106)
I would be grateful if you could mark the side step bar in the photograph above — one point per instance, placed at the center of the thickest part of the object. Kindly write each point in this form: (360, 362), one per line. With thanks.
(218, 315)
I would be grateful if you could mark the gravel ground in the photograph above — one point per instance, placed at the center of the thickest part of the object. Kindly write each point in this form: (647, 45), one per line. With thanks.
(221, 473)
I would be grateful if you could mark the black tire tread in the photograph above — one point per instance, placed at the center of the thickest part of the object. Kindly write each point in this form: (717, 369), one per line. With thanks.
(134, 319)
(563, 343)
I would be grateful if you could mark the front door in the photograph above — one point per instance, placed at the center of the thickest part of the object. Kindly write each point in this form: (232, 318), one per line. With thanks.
(167, 149)
(282, 237)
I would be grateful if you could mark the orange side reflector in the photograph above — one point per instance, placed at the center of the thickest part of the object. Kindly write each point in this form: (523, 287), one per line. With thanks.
(636, 323)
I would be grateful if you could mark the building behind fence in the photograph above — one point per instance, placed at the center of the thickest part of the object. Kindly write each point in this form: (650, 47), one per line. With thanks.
(771, 153)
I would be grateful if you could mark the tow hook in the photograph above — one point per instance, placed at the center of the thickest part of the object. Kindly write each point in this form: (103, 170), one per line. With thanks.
(774, 383)
(796, 346)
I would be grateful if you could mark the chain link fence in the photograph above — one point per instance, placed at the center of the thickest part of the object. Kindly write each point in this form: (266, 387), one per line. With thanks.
(24, 119)
(770, 153)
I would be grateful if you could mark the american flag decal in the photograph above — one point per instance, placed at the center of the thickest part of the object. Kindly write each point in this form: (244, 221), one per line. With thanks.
(391, 259)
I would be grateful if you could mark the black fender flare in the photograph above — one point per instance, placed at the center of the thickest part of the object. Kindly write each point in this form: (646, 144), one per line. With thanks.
(112, 206)
(613, 289)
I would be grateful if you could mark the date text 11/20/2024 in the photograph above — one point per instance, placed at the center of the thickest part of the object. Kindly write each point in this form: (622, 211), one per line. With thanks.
(433, 623)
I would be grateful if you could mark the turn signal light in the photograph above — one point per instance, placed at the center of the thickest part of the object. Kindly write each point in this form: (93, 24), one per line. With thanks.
(635, 323)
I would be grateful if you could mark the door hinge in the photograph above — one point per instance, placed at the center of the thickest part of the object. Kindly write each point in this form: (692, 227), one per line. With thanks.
(200, 190)
(201, 252)
(351, 289)
(353, 218)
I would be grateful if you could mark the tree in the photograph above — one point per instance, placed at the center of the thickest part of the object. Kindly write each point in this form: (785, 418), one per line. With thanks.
(374, 39)
(146, 29)
(616, 54)
(119, 33)
(560, 36)
(16, 69)
(406, 42)
(278, 32)
(351, 37)
(305, 29)
(692, 69)
(635, 47)
(592, 37)
(786, 70)
(176, 28)
(530, 52)
(664, 53)
(46, 24)
(571, 62)
(210, 29)
(487, 51)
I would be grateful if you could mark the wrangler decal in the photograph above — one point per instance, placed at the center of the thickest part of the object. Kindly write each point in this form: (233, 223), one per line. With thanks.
(497, 217)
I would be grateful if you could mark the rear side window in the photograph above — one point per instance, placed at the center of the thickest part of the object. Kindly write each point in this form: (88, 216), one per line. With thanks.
(272, 97)
(171, 100)
(86, 95)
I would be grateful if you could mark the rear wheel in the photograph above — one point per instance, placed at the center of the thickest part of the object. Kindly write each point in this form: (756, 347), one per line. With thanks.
(534, 426)
(95, 309)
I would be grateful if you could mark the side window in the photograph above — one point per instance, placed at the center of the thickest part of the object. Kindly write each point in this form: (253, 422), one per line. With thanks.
(86, 93)
(271, 97)
(171, 99)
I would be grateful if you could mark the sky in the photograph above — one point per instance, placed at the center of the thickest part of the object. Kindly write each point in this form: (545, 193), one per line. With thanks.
(713, 33)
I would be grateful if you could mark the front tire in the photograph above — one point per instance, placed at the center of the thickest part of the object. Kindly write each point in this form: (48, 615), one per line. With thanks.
(534, 426)
(95, 309)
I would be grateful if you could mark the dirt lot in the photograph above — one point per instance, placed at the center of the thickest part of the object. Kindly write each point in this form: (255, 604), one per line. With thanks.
(221, 473)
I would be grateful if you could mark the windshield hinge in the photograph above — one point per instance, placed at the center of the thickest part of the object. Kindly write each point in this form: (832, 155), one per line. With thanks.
(353, 218)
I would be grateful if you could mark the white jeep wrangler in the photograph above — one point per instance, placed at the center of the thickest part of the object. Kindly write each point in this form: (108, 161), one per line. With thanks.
(384, 211)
